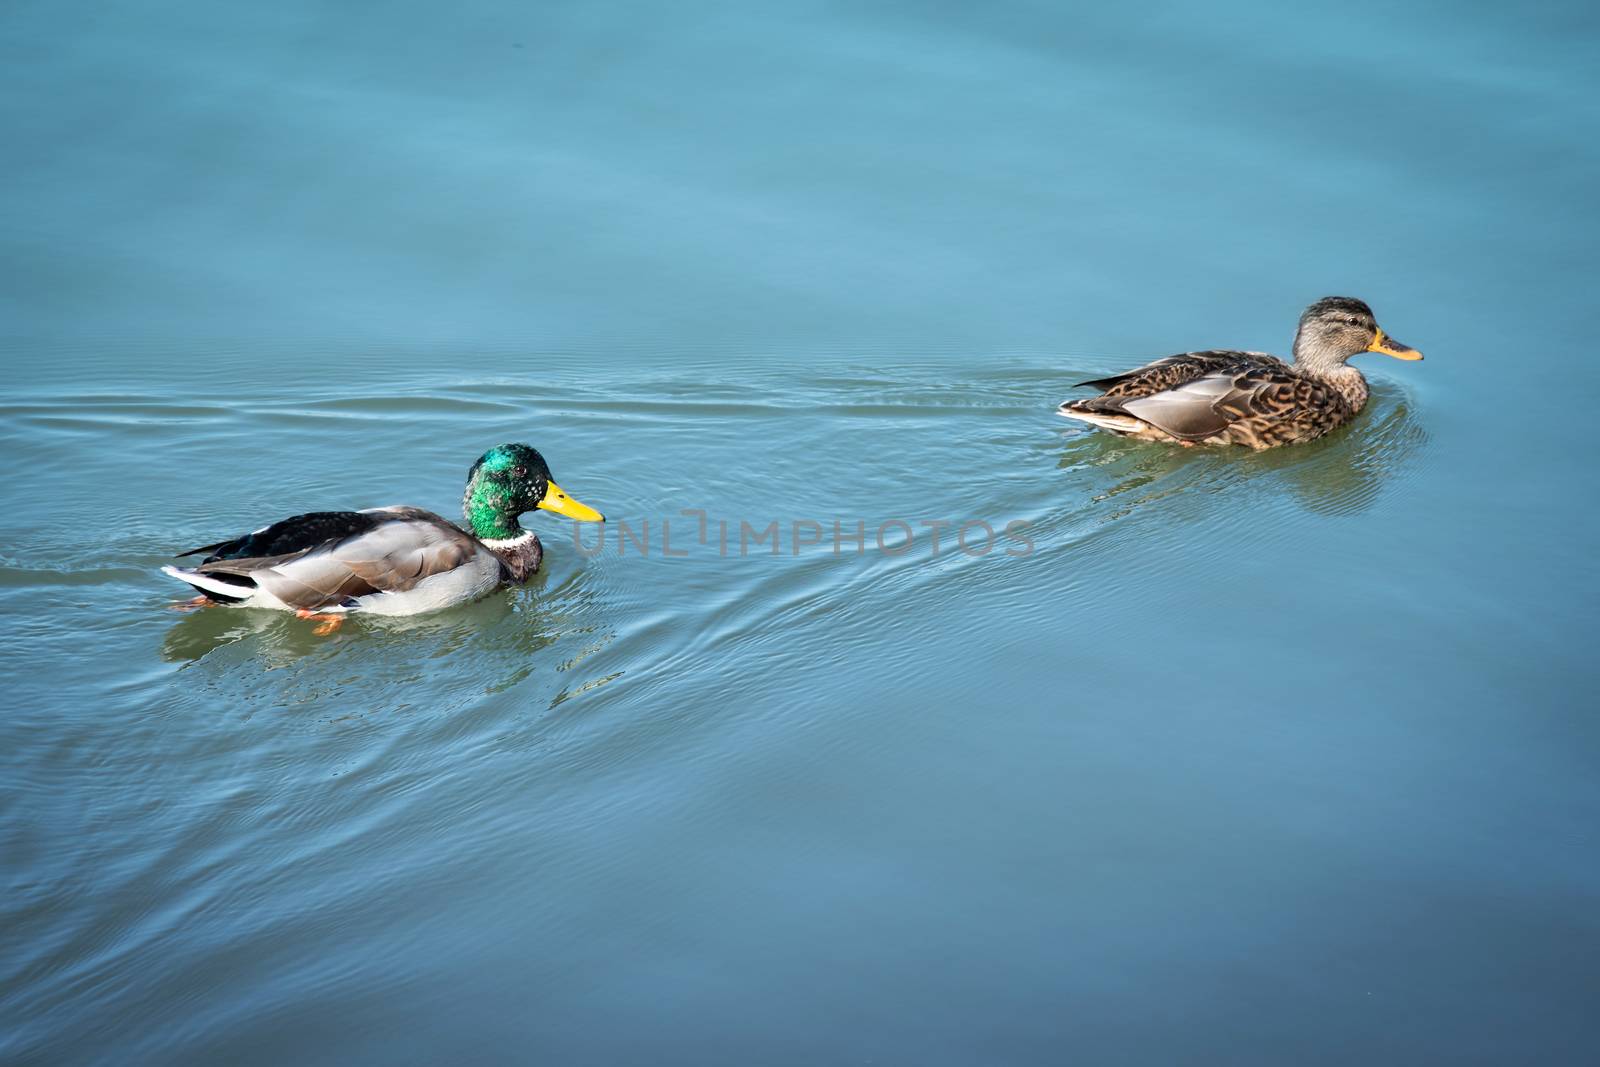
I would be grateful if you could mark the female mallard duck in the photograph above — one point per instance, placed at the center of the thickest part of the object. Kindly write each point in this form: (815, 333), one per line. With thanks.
(1247, 398)
(395, 560)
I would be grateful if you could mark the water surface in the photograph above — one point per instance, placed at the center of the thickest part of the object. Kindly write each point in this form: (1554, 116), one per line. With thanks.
(1246, 758)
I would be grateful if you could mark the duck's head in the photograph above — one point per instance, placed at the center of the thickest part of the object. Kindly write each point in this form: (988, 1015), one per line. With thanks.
(508, 480)
(1338, 327)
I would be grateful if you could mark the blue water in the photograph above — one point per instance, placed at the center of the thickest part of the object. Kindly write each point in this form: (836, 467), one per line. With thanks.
(1239, 758)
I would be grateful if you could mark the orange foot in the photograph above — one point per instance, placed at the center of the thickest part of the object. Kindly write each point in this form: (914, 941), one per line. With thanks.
(201, 601)
(329, 623)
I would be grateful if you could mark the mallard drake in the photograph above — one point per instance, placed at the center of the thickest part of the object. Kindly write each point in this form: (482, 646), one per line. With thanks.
(1247, 398)
(395, 560)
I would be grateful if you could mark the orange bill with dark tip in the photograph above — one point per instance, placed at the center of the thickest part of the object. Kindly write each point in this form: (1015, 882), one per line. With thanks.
(1382, 342)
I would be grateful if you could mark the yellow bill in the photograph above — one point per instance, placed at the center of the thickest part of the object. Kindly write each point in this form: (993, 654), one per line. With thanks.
(557, 500)
(1382, 342)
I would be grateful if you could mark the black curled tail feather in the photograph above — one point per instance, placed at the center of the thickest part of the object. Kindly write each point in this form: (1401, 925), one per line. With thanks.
(220, 548)
(1105, 383)
(1098, 405)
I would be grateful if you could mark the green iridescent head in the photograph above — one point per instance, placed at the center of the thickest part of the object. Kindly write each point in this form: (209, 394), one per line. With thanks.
(508, 480)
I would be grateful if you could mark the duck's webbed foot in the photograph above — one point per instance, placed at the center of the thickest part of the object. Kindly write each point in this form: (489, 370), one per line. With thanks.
(328, 622)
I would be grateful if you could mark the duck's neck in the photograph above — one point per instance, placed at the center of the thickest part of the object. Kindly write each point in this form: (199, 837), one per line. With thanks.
(520, 556)
(1342, 378)
(1328, 366)
(483, 505)
(490, 525)
(519, 550)
(488, 522)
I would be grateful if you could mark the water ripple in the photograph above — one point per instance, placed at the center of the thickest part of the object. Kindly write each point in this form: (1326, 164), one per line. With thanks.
(235, 736)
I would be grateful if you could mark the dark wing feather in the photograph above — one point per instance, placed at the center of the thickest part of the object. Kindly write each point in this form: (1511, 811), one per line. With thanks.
(294, 534)
(1173, 371)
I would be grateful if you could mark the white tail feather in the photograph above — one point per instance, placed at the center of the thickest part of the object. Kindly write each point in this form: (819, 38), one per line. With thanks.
(207, 584)
(1117, 423)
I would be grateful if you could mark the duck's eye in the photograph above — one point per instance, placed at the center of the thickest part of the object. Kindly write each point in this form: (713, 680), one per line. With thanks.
(1353, 321)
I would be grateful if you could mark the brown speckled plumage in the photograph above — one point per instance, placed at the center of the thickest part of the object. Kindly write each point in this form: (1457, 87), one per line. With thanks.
(1246, 398)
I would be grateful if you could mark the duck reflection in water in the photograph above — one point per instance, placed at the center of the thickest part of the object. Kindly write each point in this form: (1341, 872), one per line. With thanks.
(1342, 473)
(503, 638)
